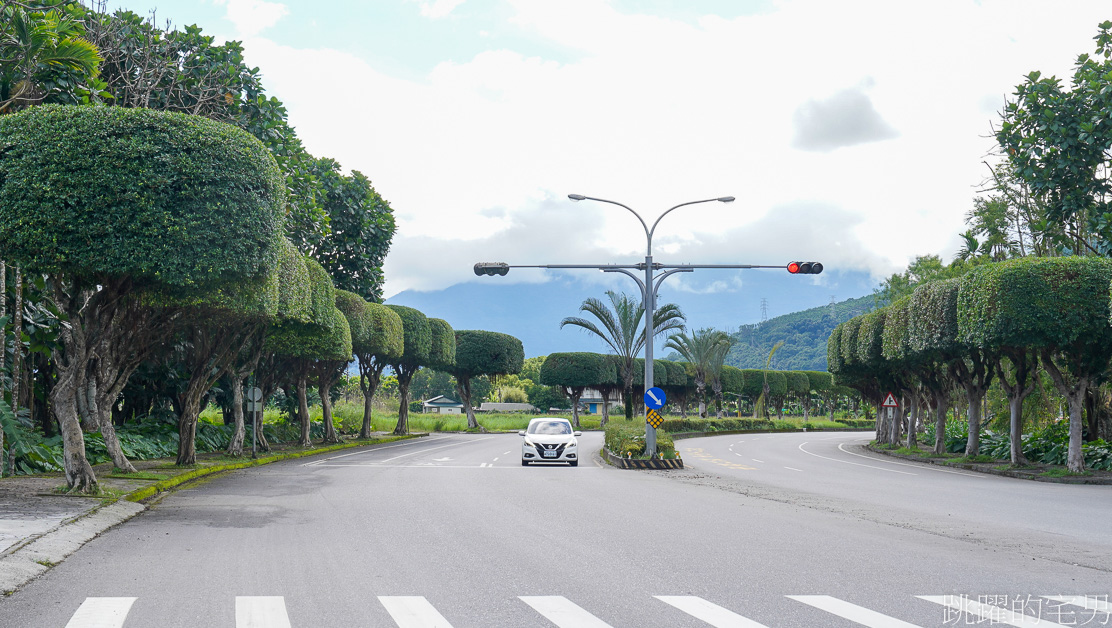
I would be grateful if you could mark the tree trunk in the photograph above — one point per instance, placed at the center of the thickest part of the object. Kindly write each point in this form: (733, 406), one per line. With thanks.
(325, 390)
(700, 389)
(70, 361)
(628, 394)
(974, 395)
(17, 340)
(303, 404)
(187, 425)
(235, 446)
(463, 387)
(1015, 432)
(941, 409)
(605, 408)
(1074, 392)
(370, 373)
(576, 393)
(913, 423)
(405, 375)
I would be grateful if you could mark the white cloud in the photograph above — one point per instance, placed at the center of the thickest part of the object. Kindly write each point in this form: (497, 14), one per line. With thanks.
(437, 8)
(477, 157)
(250, 17)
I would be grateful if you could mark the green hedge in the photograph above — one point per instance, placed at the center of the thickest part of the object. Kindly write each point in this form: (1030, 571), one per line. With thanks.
(675, 426)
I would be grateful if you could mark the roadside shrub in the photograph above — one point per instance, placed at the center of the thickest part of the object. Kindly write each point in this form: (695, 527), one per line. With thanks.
(628, 437)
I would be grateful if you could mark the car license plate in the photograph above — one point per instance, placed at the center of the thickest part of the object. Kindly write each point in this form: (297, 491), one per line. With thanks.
(550, 453)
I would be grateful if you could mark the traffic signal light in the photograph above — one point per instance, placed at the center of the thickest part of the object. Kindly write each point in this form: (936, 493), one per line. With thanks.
(491, 268)
(805, 268)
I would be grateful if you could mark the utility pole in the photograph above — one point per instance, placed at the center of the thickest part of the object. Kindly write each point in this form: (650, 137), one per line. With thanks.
(650, 284)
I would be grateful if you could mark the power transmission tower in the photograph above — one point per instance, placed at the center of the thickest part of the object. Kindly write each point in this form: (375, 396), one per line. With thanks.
(764, 310)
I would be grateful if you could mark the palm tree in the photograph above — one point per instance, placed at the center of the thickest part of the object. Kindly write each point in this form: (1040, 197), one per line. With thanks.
(622, 330)
(35, 47)
(705, 350)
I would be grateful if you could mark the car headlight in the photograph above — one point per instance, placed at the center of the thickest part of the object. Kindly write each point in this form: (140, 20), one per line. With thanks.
(525, 442)
(572, 444)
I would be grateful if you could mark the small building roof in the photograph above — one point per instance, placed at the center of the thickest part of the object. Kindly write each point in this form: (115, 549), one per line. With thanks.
(441, 400)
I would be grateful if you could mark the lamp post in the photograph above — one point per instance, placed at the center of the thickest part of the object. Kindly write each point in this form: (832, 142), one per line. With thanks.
(649, 291)
(650, 284)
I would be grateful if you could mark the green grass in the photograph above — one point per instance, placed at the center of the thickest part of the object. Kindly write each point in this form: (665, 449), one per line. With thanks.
(1062, 472)
(141, 475)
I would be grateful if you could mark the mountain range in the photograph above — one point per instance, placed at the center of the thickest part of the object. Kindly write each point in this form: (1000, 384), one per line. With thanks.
(532, 311)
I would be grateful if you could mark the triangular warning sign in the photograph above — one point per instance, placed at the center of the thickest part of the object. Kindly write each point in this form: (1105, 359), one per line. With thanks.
(890, 401)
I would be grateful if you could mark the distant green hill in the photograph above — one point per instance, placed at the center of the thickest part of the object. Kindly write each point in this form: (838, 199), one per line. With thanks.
(804, 335)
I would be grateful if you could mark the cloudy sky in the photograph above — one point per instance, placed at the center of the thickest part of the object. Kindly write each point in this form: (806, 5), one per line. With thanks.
(852, 132)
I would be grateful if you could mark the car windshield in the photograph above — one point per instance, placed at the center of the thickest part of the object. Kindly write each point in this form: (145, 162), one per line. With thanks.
(550, 427)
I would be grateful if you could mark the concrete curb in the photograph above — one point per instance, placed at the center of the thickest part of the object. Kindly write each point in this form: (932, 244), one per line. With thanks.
(30, 560)
(989, 470)
(656, 464)
(27, 561)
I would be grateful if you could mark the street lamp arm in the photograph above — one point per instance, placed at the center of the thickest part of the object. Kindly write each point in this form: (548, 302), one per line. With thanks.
(650, 232)
(580, 197)
(640, 284)
(660, 279)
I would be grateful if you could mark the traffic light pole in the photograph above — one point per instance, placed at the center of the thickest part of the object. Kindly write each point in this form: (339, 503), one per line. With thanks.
(649, 285)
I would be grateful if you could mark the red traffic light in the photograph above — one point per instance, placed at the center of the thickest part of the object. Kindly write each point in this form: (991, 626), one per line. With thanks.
(804, 268)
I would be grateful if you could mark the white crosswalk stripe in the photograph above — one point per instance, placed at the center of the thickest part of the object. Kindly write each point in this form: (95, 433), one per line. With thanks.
(713, 614)
(563, 612)
(418, 612)
(101, 612)
(413, 611)
(852, 612)
(996, 615)
(261, 612)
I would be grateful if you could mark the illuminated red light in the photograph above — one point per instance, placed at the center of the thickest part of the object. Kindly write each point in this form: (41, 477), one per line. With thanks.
(793, 268)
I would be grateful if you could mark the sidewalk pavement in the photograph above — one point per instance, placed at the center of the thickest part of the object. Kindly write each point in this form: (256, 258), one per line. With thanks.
(40, 526)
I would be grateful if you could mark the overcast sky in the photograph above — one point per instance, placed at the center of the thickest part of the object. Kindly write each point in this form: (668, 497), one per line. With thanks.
(851, 132)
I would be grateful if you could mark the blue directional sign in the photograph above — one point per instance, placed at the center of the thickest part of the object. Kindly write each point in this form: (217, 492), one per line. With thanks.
(655, 398)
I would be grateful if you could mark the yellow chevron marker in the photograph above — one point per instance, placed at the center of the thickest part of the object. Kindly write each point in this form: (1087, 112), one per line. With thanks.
(653, 418)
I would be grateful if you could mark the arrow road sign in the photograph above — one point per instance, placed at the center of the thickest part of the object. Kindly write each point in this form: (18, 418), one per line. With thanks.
(890, 402)
(655, 398)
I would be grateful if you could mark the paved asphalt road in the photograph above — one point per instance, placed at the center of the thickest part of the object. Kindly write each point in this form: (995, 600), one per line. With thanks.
(776, 530)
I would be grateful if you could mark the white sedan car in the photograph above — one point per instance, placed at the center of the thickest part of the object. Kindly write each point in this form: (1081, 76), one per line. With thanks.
(549, 439)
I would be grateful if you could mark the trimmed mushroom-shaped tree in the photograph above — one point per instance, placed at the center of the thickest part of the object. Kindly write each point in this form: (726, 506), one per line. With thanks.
(870, 360)
(575, 372)
(1058, 304)
(376, 339)
(820, 383)
(732, 382)
(318, 346)
(901, 364)
(799, 386)
(483, 353)
(416, 347)
(104, 200)
(679, 386)
(933, 335)
(1016, 351)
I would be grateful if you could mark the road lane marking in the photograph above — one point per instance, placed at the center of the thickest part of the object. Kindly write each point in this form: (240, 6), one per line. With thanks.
(267, 611)
(101, 612)
(699, 453)
(712, 614)
(760, 461)
(852, 612)
(405, 443)
(506, 453)
(413, 611)
(421, 451)
(794, 469)
(856, 464)
(1087, 603)
(563, 612)
(429, 465)
(924, 467)
(995, 614)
